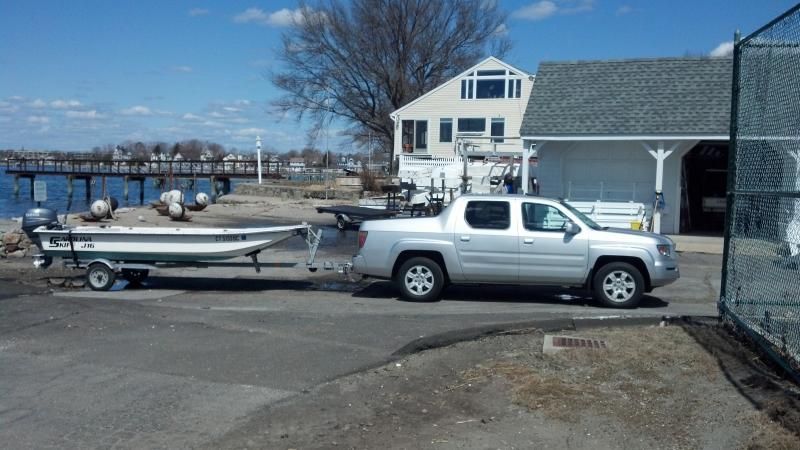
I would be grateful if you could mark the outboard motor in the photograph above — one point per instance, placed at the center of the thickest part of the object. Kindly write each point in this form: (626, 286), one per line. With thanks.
(33, 219)
(37, 217)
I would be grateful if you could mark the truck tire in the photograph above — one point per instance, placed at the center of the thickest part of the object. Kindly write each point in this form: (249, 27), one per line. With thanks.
(618, 285)
(341, 223)
(420, 280)
(100, 277)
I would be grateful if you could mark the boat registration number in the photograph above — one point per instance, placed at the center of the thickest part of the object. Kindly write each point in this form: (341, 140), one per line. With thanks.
(230, 237)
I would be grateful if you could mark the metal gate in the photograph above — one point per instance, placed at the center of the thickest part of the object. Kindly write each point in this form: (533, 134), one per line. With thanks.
(761, 268)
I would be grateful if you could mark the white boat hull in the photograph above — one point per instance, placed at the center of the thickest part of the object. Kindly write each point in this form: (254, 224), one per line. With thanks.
(161, 244)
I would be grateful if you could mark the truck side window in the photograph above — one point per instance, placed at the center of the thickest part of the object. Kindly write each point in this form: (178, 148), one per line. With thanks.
(488, 215)
(536, 217)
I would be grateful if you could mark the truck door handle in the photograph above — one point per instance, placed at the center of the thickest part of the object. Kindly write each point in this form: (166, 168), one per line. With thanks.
(527, 241)
(465, 238)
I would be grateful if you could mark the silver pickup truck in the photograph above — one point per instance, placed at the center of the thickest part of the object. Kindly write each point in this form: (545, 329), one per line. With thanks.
(508, 239)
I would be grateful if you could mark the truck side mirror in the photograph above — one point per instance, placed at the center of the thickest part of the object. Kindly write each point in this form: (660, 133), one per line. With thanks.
(572, 228)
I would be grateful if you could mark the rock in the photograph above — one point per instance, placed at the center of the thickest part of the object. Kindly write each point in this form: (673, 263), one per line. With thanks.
(11, 248)
(12, 237)
(16, 254)
(78, 282)
(58, 282)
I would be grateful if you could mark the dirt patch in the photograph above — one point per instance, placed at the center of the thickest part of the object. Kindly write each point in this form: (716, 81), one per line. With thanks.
(655, 387)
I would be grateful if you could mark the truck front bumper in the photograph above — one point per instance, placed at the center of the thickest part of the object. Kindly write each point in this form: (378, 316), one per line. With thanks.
(666, 272)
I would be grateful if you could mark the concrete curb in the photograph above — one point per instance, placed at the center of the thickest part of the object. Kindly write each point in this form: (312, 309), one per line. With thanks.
(546, 325)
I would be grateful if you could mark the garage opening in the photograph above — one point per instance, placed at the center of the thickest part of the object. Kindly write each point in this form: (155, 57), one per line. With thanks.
(704, 180)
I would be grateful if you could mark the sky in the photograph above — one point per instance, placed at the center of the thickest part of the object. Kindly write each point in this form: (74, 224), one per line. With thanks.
(85, 73)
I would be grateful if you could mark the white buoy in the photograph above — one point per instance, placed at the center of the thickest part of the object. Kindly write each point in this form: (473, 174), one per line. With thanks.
(201, 199)
(176, 211)
(100, 209)
(175, 196)
(163, 197)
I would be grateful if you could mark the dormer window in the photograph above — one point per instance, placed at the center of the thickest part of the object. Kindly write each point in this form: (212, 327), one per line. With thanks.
(490, 84)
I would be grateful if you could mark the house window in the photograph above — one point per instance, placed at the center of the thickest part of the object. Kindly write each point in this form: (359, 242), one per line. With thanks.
(445, 130)
(518, 91)
(421, 134)
(472, 125)
(490, 88)
(491, 73)
(464, 88)
(498, 129)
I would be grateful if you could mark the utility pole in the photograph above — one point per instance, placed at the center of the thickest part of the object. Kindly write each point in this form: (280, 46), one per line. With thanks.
(258, 155)
(369, 158)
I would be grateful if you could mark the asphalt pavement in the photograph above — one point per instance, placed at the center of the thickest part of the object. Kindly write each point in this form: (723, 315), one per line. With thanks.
(190, 355)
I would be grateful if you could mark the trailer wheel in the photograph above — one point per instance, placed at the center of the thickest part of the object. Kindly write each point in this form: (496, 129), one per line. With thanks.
(100, 277)
(341, 224)
(135, 276)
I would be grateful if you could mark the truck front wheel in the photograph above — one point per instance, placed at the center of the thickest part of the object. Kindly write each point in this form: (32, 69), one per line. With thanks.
(618, 285)
(420, 280)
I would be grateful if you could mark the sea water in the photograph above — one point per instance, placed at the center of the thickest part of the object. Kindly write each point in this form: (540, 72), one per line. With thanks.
(15, 206)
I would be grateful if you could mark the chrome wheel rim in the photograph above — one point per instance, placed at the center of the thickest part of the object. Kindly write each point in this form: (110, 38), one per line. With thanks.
(419, 280)
(619, 286)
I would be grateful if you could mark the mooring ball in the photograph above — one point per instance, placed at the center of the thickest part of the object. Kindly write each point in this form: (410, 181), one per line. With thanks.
(176, 210)
(201, 199)
(100, 209)
(175, 196)
(113, 203)
(164, 198)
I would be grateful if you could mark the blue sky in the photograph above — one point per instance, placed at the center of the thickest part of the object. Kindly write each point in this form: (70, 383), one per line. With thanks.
(79, 74)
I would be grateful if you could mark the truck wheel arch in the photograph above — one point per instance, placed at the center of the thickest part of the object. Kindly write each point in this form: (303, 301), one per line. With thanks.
(408, 254)
(632, 260)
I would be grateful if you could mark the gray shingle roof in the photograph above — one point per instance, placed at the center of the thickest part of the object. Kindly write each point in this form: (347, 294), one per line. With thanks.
(665, 96)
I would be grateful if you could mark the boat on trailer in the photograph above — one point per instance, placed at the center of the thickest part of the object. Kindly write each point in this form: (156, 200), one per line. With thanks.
(108, 251)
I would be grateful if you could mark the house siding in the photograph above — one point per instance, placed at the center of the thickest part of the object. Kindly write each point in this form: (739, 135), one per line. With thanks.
(446, 103)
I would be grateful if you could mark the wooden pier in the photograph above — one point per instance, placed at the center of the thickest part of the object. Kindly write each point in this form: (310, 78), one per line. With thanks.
(165, 173)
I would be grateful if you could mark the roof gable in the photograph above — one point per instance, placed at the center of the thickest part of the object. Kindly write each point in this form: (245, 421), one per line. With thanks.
(457, 78)
(665, 96)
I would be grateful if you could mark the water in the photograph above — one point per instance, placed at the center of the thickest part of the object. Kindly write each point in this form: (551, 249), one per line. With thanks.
(11, 206)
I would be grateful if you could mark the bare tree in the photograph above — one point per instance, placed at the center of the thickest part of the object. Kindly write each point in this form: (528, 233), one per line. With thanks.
(361, 60)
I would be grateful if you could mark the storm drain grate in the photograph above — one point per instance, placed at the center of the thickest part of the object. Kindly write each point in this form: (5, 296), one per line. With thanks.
(556, 343)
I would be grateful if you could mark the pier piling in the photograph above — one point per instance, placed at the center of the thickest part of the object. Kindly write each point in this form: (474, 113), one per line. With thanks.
(32, 178)
(141, 191)
(88, 181)
(213, 182)
(125, 188)
(16, 185)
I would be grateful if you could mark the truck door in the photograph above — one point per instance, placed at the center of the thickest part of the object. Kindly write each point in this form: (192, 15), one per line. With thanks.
(486, 240)
(548, 255)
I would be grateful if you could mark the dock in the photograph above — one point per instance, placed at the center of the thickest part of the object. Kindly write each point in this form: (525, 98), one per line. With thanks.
(164, 173)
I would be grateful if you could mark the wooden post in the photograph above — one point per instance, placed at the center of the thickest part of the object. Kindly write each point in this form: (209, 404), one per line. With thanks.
(88, 181)
(125, 188)
(141, 191)
(103, 183)
(69, 187)
(660, 155)
(213, 181)
(16, 185)
(32, 178)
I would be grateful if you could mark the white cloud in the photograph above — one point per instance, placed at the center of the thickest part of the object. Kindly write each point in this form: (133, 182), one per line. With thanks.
(282, 18)
(536, 11)
(38, 119)
(182, 69)
(16, 98)
(91, 114)
(212, 124)
(547, 8)
(624, 9)
(242, 102)
(38, 103)
(723, 49)
(216, 114)
(64, 104)
(194, 12)
(137, 110)
(244, 132)
(192, 117)
(501, 30)
(231, 109)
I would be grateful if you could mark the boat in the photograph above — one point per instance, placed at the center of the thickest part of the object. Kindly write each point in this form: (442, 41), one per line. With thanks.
(116, 243)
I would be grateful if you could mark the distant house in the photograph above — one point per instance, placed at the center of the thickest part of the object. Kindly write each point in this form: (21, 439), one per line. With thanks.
(620, 131)
(120, 153)
(178, 157)
(486, 100)
(206, 155)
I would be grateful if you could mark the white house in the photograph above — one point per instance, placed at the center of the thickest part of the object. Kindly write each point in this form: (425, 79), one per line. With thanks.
(486, 100)
(297, 164)
(623, 130)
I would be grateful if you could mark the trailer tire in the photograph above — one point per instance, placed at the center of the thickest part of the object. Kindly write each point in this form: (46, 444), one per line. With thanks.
(135, 276)
(100, 277)
(341, 224)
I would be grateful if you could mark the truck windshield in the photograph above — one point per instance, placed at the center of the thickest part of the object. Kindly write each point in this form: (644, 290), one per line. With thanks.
(584, 218)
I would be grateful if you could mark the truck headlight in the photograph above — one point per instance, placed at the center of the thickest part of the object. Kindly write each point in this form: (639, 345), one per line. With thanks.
(664, 249)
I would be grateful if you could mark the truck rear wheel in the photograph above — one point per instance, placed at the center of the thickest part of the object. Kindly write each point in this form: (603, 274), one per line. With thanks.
(420, 280)
(618, 285)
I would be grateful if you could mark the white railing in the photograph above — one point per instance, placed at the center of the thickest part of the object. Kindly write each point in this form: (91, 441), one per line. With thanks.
(409, 162)
(609, 191)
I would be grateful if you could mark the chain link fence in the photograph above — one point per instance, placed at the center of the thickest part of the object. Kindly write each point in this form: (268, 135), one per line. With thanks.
(761, 270)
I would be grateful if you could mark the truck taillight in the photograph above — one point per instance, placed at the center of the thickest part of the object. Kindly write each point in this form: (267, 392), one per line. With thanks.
(362, 239)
